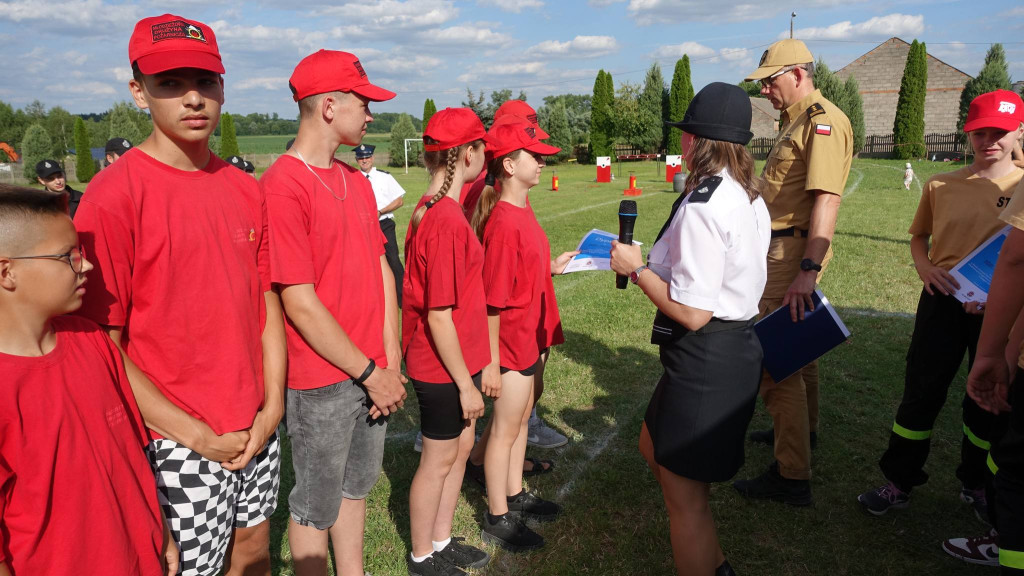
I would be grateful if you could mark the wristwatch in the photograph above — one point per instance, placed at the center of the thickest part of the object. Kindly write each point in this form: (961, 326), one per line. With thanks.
(807, 265)
(634, 276)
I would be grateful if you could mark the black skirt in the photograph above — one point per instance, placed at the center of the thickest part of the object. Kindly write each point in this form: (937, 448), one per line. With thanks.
(701, 408)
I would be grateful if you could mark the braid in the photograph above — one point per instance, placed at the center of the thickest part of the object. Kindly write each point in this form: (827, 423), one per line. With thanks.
(449, 176)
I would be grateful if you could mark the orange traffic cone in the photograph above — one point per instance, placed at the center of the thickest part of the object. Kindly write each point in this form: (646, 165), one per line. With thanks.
(554, 182)
(632, 190)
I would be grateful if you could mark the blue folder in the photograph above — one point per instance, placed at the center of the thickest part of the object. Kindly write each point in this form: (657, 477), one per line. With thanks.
(789, 346)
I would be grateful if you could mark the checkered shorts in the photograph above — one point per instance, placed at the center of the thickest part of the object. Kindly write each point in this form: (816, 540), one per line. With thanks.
(204, 502)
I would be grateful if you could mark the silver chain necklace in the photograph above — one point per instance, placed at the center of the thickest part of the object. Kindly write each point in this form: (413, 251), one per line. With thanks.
(344, 182)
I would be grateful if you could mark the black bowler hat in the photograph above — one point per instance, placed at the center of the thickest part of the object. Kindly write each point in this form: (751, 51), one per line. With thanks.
(364, 151)
(719, 111)
(117, 146)
(47, 168)
(236, 161)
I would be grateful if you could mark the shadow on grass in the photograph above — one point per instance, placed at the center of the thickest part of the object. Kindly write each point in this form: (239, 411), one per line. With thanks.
(873, 238)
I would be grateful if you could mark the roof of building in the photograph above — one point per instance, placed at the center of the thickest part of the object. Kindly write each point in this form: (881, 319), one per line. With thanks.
(897, 39)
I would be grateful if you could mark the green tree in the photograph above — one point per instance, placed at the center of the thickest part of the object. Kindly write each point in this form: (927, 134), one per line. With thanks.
(12, 125)
(908, 128)
(753, 89)
(560, 132)
(61, 125)
(36, 146)
(402, 130)
(678, 101)
(124, 124)
(228, 139)
(600, 115)
(846, 97)
(85, 167)
(429, 109)
(651, 135)
(994, 75)
(627, 115)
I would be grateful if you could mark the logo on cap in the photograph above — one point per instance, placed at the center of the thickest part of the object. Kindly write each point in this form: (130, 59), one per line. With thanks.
(125, 144)
(176, 30)
(362, 147)
(47, 164)
(763, 58)
(359, 67)
(531, 131)
(1008, 107)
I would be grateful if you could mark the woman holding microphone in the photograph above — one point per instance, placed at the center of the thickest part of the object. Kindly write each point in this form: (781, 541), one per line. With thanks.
(705, 274)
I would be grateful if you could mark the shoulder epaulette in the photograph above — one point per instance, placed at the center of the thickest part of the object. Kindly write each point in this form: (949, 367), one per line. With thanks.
(815, 110)
(703, 192)
(383, 171)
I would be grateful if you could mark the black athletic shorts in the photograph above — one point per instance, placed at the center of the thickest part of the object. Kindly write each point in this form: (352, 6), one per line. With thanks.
(440, 409)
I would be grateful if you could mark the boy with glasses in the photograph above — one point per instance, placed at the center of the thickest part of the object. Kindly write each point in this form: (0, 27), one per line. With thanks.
(182, 285)
(76, 492)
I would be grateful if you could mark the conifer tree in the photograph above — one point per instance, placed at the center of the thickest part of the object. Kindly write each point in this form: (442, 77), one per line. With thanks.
(35, 146)
(908, 127)
(228, 139)
(402, 130)
(429, 109)
(651, 134)
(679, 100)
(994, 75)
(85, 167)
(600, 115)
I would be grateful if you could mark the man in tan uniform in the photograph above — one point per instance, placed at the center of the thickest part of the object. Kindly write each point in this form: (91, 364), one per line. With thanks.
(806, 173)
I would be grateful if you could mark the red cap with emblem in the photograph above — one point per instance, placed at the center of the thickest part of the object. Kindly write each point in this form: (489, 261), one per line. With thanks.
(522, 135)
(452, 127)
(162, 43)
(331, 71)
(1000, 109)
(513, 111)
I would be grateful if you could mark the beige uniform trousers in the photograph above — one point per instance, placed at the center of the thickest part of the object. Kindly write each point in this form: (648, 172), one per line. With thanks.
(793, 403)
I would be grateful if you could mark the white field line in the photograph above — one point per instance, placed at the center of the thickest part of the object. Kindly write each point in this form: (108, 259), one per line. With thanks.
(917, 182)
(590, 455)
(851, 188)
(876, 313)
(592, 206)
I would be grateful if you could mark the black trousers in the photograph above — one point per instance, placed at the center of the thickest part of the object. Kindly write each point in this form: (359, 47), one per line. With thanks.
(387, 226)
(1008, 462)
(943, 332)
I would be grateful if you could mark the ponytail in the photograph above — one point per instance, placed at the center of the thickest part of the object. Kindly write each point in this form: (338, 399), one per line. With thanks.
(489, 196)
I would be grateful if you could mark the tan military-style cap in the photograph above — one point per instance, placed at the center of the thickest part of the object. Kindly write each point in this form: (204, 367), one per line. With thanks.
(779, 55)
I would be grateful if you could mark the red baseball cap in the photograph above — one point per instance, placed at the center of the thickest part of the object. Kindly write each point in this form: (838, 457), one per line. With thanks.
(330, 71)
(453, 127)
(166, 42)
(521, 135)
(1000, 109)
(512, 111)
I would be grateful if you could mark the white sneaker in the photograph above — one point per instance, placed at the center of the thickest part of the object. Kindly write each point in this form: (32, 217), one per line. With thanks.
(540, 435)
(983, 550)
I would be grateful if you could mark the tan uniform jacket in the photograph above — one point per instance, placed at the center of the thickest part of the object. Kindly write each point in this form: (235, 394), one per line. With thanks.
(814, 152)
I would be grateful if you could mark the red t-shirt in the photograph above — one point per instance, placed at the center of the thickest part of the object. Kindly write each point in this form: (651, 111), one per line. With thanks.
(181, 266)
(470, 194)
(77, 494)
(517, 273)
(332, 240)
(443, 267)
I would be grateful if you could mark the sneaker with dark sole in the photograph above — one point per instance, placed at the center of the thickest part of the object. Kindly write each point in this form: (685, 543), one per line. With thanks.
(768, 437)
(983, 550)
(532, 507)
(978, 501)
(433, 565)
(884, 498)
(773, 486)
(509, 532)
(540, 435)
(463, 555)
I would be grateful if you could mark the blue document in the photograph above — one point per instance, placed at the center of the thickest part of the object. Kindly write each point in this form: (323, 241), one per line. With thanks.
(789, 346)
(974, 273)
(595, 252)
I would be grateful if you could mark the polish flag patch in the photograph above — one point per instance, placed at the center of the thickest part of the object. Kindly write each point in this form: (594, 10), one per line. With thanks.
(823, 129)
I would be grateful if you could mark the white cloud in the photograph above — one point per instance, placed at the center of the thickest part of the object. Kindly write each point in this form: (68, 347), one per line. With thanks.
(514, 6)
(260, 38)
(603, 3)
(387, 19)
(676, 51)
(121, 73)
(733, 54)
(93, 88)
(74, 58)
(263, 83)
(647, 12)
(461, 36)
(879, 27)
(578, 47)
(80, 17)
(503, 70)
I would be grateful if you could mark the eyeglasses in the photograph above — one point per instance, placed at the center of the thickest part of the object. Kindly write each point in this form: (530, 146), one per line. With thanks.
(767, 82)
(75, 258)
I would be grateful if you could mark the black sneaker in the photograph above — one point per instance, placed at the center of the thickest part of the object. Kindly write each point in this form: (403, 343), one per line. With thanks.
(529, 505)
(509, 532)
(464, 555)
(476, 473)
(768, 437)
(772, 486)
(433, 565)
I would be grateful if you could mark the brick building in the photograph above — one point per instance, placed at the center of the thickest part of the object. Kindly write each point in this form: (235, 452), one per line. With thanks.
(764, 121)
(879, 73)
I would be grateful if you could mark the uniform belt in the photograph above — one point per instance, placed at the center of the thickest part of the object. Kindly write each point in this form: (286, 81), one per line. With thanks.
(719, 325)
(792, 231)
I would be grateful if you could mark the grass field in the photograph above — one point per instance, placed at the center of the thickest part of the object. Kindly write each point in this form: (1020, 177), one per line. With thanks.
(275, 144)
(600, 380)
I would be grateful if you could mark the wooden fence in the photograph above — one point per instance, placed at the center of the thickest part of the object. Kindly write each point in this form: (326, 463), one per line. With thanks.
(939, 146)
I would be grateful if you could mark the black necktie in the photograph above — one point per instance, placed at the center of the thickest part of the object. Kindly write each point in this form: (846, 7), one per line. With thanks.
(675, 208)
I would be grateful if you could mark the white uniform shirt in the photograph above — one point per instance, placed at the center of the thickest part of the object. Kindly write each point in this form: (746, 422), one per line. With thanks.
(385, 189)
(714, 254)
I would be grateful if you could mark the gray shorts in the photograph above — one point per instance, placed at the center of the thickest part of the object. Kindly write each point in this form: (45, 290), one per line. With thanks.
(337, 450)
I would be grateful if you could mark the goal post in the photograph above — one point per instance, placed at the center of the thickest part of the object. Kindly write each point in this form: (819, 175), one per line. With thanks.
(406, 146)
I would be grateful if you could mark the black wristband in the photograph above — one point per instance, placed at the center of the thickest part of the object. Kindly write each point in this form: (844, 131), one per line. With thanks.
(366, 373)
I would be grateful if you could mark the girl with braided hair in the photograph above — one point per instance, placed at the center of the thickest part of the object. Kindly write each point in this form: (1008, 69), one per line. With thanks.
(444, 332)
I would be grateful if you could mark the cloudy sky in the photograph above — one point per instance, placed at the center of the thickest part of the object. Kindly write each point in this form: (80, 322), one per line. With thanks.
(74, 53)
